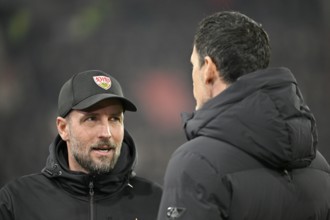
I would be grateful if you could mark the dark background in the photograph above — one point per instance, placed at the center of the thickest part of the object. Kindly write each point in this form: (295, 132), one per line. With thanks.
(145, 44)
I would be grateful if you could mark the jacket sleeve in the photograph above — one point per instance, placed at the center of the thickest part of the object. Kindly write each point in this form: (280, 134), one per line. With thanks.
(5, 205)
(193, 190)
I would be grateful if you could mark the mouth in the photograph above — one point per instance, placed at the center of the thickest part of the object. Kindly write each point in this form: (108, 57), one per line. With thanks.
(103, 150)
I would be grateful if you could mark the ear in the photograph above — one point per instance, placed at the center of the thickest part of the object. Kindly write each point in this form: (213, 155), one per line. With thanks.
(62, 128)
(211, 74)
(212, 79)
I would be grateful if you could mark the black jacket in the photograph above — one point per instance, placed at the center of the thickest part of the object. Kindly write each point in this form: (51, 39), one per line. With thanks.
(59, 194)
(251, 155)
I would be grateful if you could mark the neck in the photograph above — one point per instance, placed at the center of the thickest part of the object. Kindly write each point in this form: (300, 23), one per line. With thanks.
(218, 87)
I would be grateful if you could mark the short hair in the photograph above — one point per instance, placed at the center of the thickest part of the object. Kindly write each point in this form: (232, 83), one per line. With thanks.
(236, 44)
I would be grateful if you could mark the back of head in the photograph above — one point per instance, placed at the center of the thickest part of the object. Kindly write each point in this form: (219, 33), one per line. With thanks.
(236, 44)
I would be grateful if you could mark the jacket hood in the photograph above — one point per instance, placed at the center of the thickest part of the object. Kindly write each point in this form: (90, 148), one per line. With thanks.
(263, 113)
(79, 183)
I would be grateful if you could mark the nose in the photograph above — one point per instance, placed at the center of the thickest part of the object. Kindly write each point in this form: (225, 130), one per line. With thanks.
(105, 130)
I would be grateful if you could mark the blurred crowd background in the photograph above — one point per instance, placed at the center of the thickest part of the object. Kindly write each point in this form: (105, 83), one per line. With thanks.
(146, 45)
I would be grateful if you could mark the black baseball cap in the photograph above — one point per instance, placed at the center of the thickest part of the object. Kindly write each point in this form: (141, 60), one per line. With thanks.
(87, 88)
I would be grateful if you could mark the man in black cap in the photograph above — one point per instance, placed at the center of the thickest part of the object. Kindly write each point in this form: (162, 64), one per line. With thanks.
(89, 172)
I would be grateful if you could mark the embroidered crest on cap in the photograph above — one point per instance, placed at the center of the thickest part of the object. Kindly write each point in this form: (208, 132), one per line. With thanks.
(174, 212)
(102, 81)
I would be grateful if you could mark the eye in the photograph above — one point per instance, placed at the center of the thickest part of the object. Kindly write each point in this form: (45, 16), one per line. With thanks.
(90, 118)
(115, 119)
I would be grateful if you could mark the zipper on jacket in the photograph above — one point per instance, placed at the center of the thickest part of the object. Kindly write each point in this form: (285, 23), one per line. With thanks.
(91, 200)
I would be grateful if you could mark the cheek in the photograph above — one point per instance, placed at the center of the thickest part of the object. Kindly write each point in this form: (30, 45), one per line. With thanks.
(194, 82)
(118, 133)
(121, 135)
(196, 86)
(83, 136)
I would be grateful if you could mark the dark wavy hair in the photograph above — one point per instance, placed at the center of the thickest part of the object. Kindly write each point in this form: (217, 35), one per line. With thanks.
(237, 44)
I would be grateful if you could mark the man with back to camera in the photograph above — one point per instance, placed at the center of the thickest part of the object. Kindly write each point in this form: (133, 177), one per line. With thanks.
(251, 150)
(89, 172)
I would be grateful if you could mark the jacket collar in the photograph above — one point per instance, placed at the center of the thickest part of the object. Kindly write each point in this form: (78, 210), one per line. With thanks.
(263, 113)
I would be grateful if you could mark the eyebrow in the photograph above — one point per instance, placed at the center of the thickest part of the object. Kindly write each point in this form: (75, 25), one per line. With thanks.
(96, 113)
(191, 60)
(93, 112)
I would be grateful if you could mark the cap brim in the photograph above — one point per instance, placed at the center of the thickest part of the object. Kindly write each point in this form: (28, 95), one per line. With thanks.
(92, 100)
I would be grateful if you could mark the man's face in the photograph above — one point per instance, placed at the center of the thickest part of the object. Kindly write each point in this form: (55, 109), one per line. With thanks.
(94, 137)
(199, 88)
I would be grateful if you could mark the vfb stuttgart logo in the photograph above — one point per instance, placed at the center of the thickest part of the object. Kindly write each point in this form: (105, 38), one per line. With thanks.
(102, 81)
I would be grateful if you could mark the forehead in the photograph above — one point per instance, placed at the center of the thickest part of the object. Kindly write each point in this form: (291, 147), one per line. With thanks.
(194, 55)
(113, 103)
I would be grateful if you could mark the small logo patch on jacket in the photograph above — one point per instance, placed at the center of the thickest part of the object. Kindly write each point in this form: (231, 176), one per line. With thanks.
(175, 212)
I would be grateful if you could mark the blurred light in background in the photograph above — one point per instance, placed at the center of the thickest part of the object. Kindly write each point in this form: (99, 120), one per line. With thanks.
(163, 96)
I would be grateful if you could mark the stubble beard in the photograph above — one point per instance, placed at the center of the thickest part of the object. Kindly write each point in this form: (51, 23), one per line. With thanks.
(100, 165)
